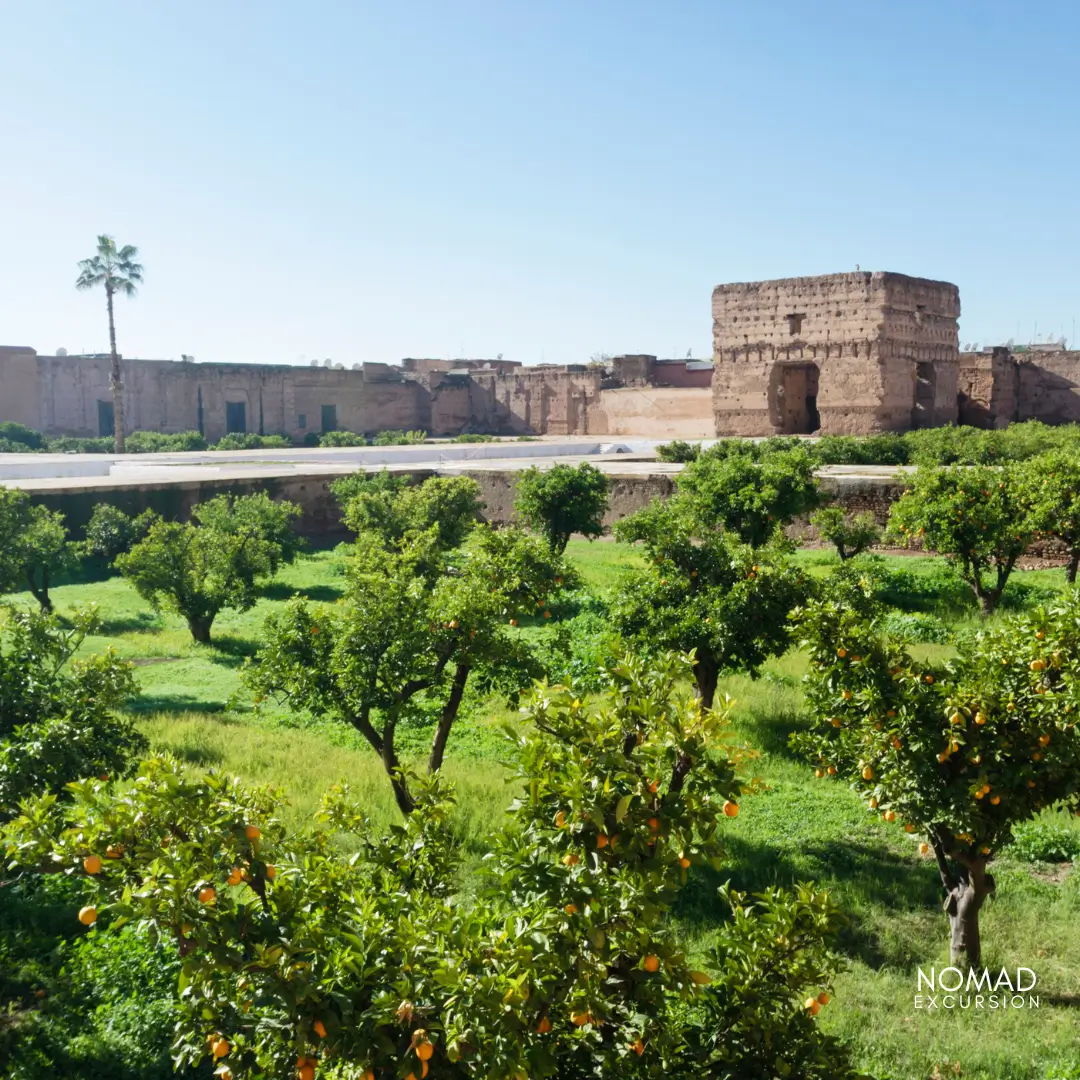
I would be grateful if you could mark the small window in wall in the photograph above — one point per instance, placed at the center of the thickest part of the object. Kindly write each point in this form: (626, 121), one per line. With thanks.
(106, 424)
(329, 418)
(794, 322)
(235, 416)
(301, 420)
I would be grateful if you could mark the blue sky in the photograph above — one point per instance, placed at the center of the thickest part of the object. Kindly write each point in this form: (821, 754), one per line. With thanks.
(367, 181)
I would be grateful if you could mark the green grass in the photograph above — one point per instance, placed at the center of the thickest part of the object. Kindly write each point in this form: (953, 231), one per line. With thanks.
(193, 705)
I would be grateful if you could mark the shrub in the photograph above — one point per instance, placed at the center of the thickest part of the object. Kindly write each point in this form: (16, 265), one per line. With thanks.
(1054, 481)
(954, 446)
(19, 435)
(34, 547)
(70, 444)
(110, 532)
(1037, 841)
(916, 627)
(561, 501)
(472, 437)
(679, 451)
(214, 561)
(347, 488)
(398, 438)
(251, 441)
(342, 438)
(849, 534)
(885, 449)
(158, 442)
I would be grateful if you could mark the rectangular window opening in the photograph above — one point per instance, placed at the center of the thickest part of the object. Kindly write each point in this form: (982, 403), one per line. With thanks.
(105, 418)
(301, 420)
(236, 417)
(329, 418)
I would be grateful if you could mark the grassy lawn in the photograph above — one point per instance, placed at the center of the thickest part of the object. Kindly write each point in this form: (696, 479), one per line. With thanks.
(193, 705)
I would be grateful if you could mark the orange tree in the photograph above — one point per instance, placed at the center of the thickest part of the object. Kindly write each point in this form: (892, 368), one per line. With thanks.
(418, 625)
(701, 591)
(57, 720)
(956, 754)
(979, 517)
(299, 958)
(1054, 480)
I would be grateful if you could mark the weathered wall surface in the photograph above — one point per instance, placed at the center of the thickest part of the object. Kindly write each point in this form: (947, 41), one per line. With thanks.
(861, 340)
(1048, 387)
(534, 401)
(662, 412)
(987, 388)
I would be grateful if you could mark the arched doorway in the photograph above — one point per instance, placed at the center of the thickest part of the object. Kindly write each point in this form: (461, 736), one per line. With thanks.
(793, 392)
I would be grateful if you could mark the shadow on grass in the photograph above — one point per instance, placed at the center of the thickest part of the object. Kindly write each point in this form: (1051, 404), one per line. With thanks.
(232, 649)
(768, 726)
(173, 704)
(320, 594)
(198, 755)
(865, 877)
(123, 624)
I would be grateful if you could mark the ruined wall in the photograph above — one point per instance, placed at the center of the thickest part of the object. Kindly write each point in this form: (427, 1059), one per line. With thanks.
(660, 412)
(1048, 386)
(861, 339)
(987, 389)
(20, 386)
(534, 401)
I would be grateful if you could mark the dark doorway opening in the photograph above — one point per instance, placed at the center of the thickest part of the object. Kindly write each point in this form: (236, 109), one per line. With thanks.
(235, 417)
(922, 410)
(106, 424)
(329, 418)
(793, 395)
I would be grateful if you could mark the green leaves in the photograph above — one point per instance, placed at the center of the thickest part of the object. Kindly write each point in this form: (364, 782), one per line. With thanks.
(561, 501)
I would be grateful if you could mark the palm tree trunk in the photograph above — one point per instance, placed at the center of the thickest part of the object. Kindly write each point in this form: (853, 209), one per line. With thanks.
(115, 379)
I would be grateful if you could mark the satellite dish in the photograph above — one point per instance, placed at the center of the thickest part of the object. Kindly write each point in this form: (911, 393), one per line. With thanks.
(61, 351)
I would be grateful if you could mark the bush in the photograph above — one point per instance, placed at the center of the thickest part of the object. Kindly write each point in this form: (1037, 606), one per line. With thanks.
(342, 438)
(887, 449)
(110, 532)
(849, 534)
(915, 627)
(563, 500)
(679, 451)
(398, 438)
(158, 442)
(70, 444)
(1037, 841)
(471, 437)
(18, 435)
(251, 441)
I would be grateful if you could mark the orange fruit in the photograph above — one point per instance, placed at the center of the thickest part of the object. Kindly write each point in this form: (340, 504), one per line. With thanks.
(812, 1006)
(1037, 665)
(571, 859)
(1044, 740)
(924, 848)
(823, 998)
(653, 785)
(890, 815)
(306, 1072)
(544, 1026)
(638, 1047)
(601, 841)
(319, 1028)
(845, 694)
(92, 864)
(956, 718)
(236, 875)
(271, 872)
(252, 833)
(868, 773)
(909, 828)
(114, 851)
(88, 916)
(653, 824)
(896, 744)
(831, 770)
(580, 1019)
(207, 894)
(651, 963)
(995, 799)
(841, 653)
(560, 819)
(220, 1047)
(929, 678)
(424, 1051)
(684, 862)
(513, 622)
(980, 718)
(837, 722)
(873, 804)
(570, 909)
(819, 773)
(731, 809)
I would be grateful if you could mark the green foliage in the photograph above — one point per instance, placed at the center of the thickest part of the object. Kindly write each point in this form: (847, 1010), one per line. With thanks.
(384, 506)
(1054, 482)
(472, 437)
(214, 561)
(850, 534)
(158, 442)
(1038, 841)
(569, 967)
(249, 440)
(961, 754)
(699, 591)
(979, 517)
(885, 449)
(347, 487)
(342, 438)
(72, 444)
(21, 436)
(916, 627)
(751, 501)
(398, 438)
(56, 713)
(561, 501)
(679, 451)
(34, 546)
(110, 532)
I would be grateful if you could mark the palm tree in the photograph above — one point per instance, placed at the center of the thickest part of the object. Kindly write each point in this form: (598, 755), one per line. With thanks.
(118, 271)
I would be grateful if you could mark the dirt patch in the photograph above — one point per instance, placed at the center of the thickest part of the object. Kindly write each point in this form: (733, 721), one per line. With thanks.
(1056, 874)
(143, 661)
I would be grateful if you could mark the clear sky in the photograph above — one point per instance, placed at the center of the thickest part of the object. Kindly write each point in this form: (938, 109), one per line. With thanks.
(546, 180)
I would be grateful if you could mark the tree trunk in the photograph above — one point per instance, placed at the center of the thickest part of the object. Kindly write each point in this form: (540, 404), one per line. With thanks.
(1073, 565)
(200, 628)
(41, 595)
(449, 715)
(117, 382)
(406, 803)
(706, 676)
(962, 905)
